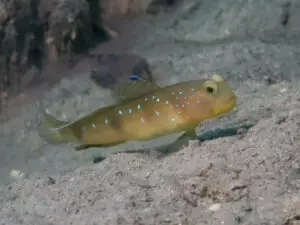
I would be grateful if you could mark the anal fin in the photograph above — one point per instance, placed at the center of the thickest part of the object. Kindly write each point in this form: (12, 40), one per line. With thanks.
(86, 146)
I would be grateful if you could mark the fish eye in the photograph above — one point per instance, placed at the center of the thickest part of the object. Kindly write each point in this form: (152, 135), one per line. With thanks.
(210, 87)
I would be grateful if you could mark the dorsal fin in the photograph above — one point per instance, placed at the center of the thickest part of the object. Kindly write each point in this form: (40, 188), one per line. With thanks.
(134, 89)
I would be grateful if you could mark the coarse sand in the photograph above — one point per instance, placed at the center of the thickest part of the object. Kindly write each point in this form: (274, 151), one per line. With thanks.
(250, 178)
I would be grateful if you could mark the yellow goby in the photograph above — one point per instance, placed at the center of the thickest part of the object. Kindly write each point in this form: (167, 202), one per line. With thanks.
(159, 111)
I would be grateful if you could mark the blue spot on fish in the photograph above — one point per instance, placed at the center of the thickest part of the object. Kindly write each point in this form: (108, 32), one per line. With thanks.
(133, 77)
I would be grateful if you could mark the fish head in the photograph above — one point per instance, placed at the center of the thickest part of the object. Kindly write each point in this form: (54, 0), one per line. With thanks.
(223, 99)
(214, 97)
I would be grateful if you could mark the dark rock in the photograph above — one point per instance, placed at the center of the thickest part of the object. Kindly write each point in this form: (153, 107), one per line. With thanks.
(108, 70)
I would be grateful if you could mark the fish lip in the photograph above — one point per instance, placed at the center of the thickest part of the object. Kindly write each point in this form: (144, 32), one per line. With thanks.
(232, 99)
(230, 102)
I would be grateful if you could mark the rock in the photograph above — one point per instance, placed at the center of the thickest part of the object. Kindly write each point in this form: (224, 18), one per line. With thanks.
(108, 70)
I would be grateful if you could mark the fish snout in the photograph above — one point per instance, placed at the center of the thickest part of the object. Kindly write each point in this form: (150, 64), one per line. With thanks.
(232, 99)
(226, 104)
(230, 102)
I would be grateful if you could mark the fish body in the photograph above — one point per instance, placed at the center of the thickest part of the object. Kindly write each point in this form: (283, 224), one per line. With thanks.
(175, 108)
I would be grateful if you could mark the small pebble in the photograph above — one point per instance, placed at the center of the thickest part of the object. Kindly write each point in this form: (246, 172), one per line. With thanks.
(226, 217)
(283, 90)
(215, 207)
(16, 174)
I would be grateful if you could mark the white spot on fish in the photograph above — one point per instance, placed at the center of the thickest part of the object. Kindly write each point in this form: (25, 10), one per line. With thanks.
(139, 106)
(94, 125)
(153, 97)
(177, 97)
(158, 100)
(180, 92)
(142, 120)
(182, 105)
(157, 113)
(177, 106)
(173, 119)
(146, 99)
(106, 121)
(185, 98)
(167, 102)
(130, 110)
(120, 112)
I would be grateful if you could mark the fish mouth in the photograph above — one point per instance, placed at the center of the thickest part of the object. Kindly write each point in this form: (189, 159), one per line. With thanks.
(232, 100)
(226, 105)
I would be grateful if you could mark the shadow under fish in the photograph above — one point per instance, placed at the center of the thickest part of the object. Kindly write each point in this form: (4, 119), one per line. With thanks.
(144, 111)
(183, 140)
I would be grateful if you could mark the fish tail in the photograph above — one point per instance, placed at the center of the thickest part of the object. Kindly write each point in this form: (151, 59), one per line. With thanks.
(52, 130)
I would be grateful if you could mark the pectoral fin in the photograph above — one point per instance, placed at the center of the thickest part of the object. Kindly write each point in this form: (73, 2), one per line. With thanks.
(181, 141)
(188, 135)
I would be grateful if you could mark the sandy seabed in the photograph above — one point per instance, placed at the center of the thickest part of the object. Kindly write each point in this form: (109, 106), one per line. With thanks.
(251, 178)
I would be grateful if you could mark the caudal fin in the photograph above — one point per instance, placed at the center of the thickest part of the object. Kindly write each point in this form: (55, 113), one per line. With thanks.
(52, 130)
